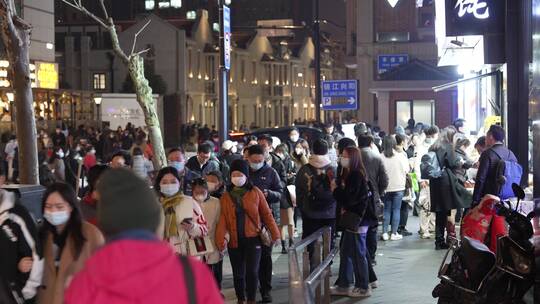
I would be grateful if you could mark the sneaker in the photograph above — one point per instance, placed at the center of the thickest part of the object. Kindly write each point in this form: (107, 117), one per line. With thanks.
(425, 236)
(405, 232)
(385, 236)
(396, 237)
(339, 291)
(374, 285)
(359, 293)
(441, 246)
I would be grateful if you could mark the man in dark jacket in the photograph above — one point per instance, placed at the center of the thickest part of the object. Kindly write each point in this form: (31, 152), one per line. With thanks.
(199, 165)
(379, 181)
(318, 211)
(268, 181)
(21, 266)
(486, 178)
(266, 142)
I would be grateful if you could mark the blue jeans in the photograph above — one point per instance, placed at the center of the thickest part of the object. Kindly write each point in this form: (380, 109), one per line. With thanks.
(392, 210)
(353, 260)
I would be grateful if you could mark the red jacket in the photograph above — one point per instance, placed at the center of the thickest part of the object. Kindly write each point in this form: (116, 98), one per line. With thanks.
(139, 271)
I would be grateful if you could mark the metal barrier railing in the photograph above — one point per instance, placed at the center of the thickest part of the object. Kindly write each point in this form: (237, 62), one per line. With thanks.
(305, 284)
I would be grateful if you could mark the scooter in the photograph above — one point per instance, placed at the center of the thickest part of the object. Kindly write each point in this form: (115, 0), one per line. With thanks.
(472, 274)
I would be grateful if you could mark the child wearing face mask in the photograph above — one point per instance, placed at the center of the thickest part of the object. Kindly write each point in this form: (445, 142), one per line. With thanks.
(180, 225)
(68, 241)
(216, 184)
(211, 209)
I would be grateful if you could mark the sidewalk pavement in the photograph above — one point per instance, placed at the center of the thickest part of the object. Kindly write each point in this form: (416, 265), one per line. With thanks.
(407, 272)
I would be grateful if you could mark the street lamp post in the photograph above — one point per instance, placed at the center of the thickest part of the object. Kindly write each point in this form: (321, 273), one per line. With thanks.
(97, 101)
(224, 34)
(317, 42)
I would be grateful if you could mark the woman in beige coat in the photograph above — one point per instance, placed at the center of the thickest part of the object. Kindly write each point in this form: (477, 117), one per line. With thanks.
(67, 240)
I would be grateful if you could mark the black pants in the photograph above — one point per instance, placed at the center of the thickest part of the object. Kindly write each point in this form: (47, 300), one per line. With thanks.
(245, 266)
(441, 218)
(265, 270)
(371, 242)
(217, 270)
(310, 226)
(404, 215)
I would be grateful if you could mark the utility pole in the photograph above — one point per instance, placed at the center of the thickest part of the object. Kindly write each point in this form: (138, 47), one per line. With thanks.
(224, 65)
(317, 41)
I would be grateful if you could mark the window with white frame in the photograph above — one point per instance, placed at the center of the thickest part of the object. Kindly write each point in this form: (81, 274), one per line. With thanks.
(100, 81)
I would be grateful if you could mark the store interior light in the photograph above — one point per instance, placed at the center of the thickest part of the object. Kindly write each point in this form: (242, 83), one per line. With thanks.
(49, 46)
(98, 100)
(10, 96)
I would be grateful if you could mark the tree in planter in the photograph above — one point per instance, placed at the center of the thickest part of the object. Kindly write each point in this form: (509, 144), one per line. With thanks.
(135, 65)
(15, 34)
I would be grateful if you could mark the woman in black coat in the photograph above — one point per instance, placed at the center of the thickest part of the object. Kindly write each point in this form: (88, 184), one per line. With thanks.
(352, 193)
(446, 193)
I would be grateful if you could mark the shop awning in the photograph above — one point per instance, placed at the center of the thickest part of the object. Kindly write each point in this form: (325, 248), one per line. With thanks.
(455, 83)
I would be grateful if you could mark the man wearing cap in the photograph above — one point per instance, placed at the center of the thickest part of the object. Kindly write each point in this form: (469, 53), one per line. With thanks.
(229, 152)
(135, 265)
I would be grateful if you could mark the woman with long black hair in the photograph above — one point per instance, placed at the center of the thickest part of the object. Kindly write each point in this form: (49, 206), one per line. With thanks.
(353, 194)
(68, 241)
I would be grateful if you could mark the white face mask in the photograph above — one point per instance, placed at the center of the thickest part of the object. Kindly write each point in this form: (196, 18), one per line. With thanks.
(294, 138)
(238, 181)
(212, 187)
(60, 153)
(299, 151)
(169, 189)
(199, 198)
(57, 218)
(345, 162)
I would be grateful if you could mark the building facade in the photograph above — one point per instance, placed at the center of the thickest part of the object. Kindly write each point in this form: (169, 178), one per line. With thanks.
(391, 50)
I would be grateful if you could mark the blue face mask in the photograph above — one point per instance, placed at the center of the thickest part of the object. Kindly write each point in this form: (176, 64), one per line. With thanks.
(256, 166)
(179, 166)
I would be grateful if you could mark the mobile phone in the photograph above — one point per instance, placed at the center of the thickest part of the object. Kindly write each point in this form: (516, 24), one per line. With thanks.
(187, 220)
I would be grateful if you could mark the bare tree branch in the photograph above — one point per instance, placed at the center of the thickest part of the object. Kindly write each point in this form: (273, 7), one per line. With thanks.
(137, 35)
(76, 4)
(140, 52)
(105, 13)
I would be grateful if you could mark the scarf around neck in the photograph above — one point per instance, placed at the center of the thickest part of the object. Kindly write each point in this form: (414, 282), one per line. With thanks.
(169, 204)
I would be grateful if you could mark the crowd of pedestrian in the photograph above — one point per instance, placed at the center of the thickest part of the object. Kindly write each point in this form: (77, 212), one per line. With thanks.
(146, 234)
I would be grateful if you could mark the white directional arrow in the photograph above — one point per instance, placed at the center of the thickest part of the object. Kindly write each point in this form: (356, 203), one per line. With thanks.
(393, 2)
(351, 100)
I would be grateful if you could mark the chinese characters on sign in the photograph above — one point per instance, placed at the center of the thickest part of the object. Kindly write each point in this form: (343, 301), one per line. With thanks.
(340, 95)
(388, 62)
(227, 36)
(478, 8)
(47, 75)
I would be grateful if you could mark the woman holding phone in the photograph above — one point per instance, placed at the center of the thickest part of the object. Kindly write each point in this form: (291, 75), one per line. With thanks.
(184, 218)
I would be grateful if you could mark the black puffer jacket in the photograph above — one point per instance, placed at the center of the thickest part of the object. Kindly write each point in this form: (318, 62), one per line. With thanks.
(354, 197)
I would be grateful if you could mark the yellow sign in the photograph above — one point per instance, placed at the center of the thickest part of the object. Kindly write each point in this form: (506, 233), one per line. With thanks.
(491, 120)
(47, 75)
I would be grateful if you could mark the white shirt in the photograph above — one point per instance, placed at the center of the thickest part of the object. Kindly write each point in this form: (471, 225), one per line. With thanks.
(397, 168)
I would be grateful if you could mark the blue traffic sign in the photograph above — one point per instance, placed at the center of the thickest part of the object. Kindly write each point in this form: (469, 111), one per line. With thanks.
(339, 95)
(227, 36)
(388, 62)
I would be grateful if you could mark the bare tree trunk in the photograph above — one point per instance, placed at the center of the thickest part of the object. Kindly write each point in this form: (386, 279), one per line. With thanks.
(147, 103)
(16, 38)
(135, 64)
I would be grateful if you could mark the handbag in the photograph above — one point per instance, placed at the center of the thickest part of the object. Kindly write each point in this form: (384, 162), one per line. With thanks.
(264, 233)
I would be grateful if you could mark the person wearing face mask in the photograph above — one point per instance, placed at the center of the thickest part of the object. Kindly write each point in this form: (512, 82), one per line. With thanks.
(68, 241)
(57, 165)
(294, 139)
(243, 212)
(216, 184)
(353, 194)
(179, 226)
(211, 209)
(199, 165)
(266, 178)
(288, 200)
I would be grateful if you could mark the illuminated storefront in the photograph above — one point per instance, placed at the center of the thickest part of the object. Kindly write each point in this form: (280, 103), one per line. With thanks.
(52, 105)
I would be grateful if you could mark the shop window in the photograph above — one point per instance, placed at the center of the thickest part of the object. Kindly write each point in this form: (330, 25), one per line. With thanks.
(100, 81)
(422, 111)
(243, 70)
(393, 37)
(254, 72)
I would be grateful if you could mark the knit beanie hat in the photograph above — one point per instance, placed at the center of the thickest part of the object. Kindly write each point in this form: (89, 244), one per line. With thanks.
(240, 165)
(320, 147)
(126, 203)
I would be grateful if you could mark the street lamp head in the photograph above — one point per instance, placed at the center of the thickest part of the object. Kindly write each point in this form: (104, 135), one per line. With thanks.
(10, 96)
(97, 100)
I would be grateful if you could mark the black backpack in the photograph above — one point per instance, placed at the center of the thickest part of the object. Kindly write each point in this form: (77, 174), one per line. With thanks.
(320, 192)
(372, 208)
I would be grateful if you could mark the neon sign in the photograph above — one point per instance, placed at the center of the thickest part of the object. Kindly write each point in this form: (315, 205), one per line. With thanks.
(479, 9)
